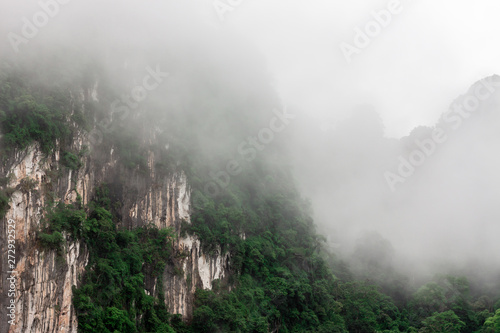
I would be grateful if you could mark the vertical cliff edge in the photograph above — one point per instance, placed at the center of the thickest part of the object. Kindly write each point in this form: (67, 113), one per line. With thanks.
(44, 280)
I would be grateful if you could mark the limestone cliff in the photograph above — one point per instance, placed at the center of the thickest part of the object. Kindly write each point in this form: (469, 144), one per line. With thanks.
(43, 300)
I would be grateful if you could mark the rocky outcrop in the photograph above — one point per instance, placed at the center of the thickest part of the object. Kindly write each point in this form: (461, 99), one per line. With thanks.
(198, 271)
(44, 281)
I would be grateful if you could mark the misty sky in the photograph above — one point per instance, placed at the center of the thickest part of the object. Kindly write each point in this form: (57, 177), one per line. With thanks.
(428, 54)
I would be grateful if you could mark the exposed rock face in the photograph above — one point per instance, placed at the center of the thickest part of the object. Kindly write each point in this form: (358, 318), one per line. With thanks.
(199, 270)
(43, 281)
(43, 301)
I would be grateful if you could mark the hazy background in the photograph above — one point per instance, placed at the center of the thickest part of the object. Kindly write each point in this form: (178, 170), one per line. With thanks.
(429, 54)
(350, 116)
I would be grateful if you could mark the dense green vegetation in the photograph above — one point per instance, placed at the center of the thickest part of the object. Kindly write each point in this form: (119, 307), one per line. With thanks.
(112, 297)
(492, 324)
(71, 160)
(33, 111)
(283, 281)
(5, 194)
(4, 204)
(26, 120)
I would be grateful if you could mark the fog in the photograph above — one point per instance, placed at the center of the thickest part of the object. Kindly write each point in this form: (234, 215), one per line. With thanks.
(356, 116)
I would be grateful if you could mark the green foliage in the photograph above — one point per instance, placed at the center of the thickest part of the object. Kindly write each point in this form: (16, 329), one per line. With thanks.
(282, 281)
(447, 293)
(112, 295)
(372, 262)
(65, 218)
(58, 219)
(427, 300)
(492, 324)
(442, 322)
(28, 120)
(113, 284)
(4, 203)
(366, 310)
(52, 241)
(71, 160)
(117, 320)
(29, 113)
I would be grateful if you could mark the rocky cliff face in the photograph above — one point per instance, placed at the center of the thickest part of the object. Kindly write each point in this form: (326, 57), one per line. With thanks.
(43, 298)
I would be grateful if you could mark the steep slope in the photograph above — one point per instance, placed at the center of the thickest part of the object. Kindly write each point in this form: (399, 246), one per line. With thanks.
(43, 279)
